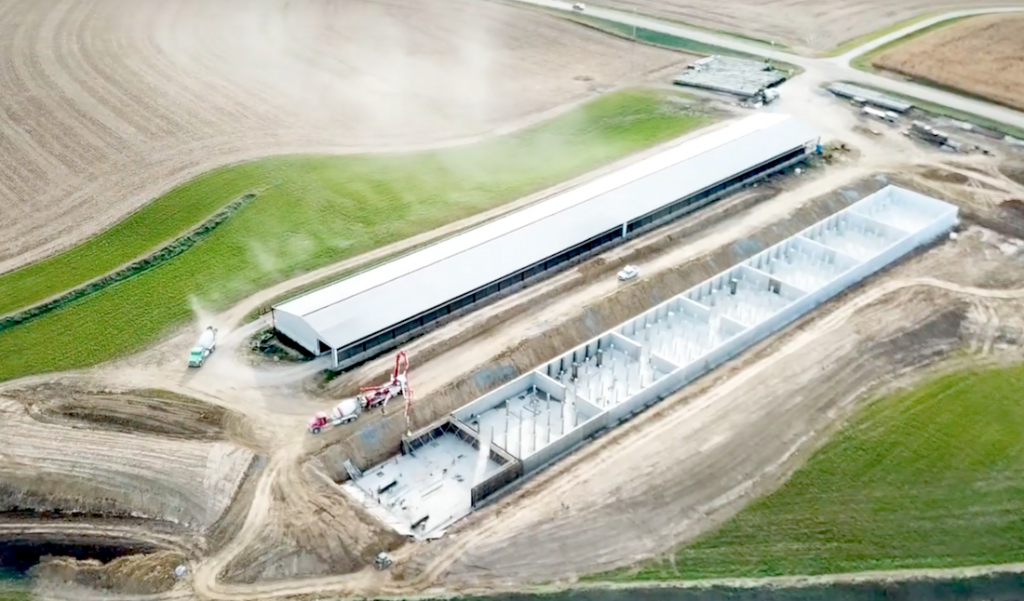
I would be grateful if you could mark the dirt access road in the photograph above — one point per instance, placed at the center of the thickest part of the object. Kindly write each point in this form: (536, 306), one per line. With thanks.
(109, 103)
(804, 25)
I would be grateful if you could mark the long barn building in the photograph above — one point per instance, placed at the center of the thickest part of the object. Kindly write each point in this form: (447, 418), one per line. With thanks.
(380, 308)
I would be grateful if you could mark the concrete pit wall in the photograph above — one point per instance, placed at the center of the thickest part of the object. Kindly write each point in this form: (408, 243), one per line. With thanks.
(800, 303)
(374, 442)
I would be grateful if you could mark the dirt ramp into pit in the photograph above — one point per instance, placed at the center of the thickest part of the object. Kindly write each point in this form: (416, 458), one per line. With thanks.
(69, 467)
(311, 529)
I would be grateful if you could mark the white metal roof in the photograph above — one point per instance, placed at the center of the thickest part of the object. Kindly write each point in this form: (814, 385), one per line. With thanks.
(368, 302)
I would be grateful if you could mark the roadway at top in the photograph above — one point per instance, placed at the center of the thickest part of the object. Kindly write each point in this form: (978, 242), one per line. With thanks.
(822, 70)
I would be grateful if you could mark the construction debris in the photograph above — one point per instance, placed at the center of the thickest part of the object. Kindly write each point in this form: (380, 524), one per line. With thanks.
(748, 79)
(867, 96)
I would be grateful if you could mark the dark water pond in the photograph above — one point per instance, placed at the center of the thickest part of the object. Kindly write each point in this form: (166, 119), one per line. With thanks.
(999, 587)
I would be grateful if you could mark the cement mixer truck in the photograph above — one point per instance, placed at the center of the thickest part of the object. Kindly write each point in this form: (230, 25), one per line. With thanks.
(207, 342)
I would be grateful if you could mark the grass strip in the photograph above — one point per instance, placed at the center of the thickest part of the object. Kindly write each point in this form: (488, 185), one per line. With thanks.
(671, 42)
(141, 233)
(164, 254)
(317, 210)
(930, 478)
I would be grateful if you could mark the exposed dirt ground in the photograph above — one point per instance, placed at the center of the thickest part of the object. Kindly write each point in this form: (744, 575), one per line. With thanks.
(736, 433)
(132, 97)
(650, 484)
(91, 453)
(979, 56)
(801, 24)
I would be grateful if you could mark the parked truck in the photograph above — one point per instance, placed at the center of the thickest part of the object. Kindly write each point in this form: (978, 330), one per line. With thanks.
(346, 411)
(207, 342)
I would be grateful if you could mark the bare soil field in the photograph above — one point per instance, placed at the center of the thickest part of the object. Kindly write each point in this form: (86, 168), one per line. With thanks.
(108, 103)
(803, 25)
(979, 56)
(71, 466)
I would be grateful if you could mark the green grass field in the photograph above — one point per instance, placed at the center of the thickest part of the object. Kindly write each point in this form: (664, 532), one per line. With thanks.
(313, 210)
(666, 40)
(929, 478)
(141, 233)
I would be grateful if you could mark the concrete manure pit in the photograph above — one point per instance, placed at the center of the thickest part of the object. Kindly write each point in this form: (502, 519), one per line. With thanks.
(453, 466)
(429, 485)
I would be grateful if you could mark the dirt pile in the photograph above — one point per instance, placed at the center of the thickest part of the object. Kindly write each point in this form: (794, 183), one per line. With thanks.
(979, 56)
(311, 529)
(142, 574)
(155, 412)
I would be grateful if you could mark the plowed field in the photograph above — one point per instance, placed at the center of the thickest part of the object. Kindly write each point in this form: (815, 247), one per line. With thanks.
(804, 25)
(107, 103)
(979, 56)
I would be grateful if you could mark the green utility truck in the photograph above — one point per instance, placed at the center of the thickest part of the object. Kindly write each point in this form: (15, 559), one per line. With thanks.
(207, 342)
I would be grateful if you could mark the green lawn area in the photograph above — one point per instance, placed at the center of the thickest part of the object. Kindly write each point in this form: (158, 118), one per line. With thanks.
(672, 42)
(933, 478)
(313, 210)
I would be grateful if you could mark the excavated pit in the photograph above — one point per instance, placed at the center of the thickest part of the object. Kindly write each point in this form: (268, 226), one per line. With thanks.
(371, 441)
(22, 554)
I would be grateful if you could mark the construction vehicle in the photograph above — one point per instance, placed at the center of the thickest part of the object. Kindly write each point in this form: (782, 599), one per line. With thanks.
(378, 396)
(383, 561)
(345, 412)
(207, 342)
(768, 95)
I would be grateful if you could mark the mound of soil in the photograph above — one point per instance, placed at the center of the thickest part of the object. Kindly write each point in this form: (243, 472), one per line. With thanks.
(141, 574)
(143, 411)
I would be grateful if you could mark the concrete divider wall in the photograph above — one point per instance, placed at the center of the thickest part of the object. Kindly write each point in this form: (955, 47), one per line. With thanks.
(500, 395)
(587, 409)
(565, 444)
(506, 475)
(662, 364)
(549, 385)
